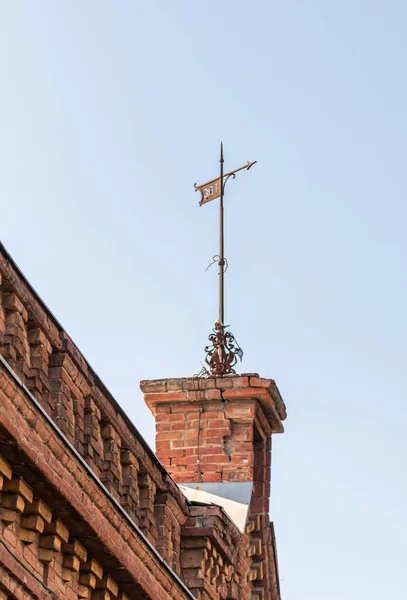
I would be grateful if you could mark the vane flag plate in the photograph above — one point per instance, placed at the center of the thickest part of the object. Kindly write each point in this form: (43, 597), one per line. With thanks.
(213, 189)
(209, 191)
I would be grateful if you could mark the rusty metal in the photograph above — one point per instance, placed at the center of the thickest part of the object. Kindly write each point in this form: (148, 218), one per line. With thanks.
(209, 191)
(211, 194)
(223, 352)
(221, 261)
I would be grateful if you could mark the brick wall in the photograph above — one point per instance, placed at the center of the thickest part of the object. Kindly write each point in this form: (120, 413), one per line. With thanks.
(216, 429)
(235, 423)
(58, 523)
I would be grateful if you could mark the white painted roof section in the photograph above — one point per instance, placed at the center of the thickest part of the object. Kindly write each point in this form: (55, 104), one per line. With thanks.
(234, 498)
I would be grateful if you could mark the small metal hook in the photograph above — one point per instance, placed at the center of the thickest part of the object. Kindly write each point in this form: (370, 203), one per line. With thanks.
(215, 259)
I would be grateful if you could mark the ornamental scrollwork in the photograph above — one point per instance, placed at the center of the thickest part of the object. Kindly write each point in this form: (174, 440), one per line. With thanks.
(222, 353)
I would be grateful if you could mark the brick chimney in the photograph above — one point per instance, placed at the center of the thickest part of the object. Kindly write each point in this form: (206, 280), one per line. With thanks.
(217, 430)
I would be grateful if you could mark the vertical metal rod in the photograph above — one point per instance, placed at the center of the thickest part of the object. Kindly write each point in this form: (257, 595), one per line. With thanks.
(221, 248)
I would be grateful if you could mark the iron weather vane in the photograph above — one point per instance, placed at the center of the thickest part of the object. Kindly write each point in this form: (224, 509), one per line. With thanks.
(223, 351)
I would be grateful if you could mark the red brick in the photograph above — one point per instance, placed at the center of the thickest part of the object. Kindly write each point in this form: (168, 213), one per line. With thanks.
(218, 424)
(162, 445)
(83, 408)
(240, 410)
(185, 407)
(215, 433)
(184, 460)
(170, 453)
(191, 451)
(240, 382)
(212, 394)
(156, 399)
(260, 382)
(211, 477)
(215, 458)
(162, 409)
(187, 477)
(170, 435)
(169, 418)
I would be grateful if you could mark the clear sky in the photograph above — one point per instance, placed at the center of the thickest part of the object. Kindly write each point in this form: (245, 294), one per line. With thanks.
(110, 111)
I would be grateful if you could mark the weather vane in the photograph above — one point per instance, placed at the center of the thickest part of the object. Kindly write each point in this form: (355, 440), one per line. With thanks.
(223, 350)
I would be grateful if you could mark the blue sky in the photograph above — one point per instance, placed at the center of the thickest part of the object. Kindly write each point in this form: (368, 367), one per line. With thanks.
(110, 111)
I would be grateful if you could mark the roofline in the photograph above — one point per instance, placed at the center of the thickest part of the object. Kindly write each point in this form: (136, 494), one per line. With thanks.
(96, 377)
(67, 443)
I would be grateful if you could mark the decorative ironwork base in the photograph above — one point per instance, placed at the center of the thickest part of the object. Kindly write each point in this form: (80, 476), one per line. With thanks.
(222, 353)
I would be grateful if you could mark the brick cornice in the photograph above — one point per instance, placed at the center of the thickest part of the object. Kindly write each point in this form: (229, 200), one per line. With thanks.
(237, 388)
(66, 473)
(18, 580)
(66, 353)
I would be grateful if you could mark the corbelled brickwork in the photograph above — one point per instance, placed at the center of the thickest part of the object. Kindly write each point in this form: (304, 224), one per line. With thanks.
(216, 429)
(86, 508)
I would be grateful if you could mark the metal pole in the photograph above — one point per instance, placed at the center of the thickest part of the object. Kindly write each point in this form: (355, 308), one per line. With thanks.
(221, 248)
